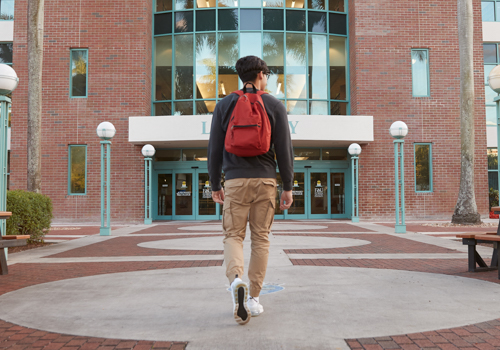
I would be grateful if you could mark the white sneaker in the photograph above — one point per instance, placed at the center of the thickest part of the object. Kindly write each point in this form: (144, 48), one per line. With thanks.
(239, 292)
(255, 307)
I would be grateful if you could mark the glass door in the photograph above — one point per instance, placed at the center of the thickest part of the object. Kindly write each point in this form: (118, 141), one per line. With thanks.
(319, 190)
(298, 210)
(183, 195)
(338, 199)
(164, 200)
(207, 208)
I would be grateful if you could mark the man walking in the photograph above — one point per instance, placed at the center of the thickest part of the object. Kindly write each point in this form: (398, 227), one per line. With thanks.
(250, 184)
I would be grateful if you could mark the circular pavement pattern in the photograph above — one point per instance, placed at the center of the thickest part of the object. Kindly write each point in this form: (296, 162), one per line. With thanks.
(276, 227)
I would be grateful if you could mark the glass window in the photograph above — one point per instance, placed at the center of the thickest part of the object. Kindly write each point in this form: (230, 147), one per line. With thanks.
(423, 168)
(333, 154)
(183, 108)
(298, 4)
(306, 153)
(77, 169)
(487, 70)
(491, 115)
(273, 20)
(338, 24)
(183, 74)
(163, 68)
(228, 55)
(163, 5)
(488, 11)
(272, 3)
(168, 155)
(228, 19)
(6, 53)
(336, 5)
(296, 67)
(79, 61)
(204, 4)
(296, 107)
(338, 108)
(338, 62)
(295, 21)
(194, 154)
(205, 107)
(165, 194)
(490, 53)
(205, 21)
(250, 19)
(184, 4)
(6, 10)
(316, 4)
(164, 108)
(228, 3)
(318, 108)
(163, 23)
(420, 72)
(318, 74)
(317, 22)
(273, 55)
(249, 3)
(489, 95)
(205, 66)
(183, 21)
(251, 44)
(492, 159)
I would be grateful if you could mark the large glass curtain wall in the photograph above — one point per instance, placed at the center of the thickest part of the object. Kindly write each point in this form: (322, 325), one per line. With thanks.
(197, 44)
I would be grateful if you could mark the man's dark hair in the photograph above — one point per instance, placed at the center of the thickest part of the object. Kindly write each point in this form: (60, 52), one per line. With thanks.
(249, 66)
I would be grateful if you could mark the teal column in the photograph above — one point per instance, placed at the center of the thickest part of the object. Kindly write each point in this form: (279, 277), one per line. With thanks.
(497, 101)
(355, 191)
(4, 128)
(105, 188)
(148, 180)
(399, 184)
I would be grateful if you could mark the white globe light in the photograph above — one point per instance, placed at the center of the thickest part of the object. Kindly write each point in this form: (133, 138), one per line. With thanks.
(494, 79)
(354, 149)
(398, 130)
(8, 79)
(148, 151)
(106, 131)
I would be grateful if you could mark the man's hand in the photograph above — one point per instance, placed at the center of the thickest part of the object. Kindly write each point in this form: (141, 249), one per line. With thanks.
(286, 200)
(218, 196)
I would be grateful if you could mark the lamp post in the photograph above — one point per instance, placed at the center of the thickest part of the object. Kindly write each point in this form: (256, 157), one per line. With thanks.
(8, 82)
(399, 130)
(494, 83)
(355, 150)
(105, 131)
(148, 151)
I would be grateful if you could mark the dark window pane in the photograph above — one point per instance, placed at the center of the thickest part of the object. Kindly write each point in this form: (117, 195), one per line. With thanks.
(334, 154)
(250, 20)
(316, 4)
(338, 108)
(422, 168)
(490, 53)
(168, 155)
(338, 64)
(79, 61)
(183, 108)
(338, 24)
(306, 153)
(163, 68)
(228, 19)
(296, 21)
(493, 183)
(164, 108)
(492, 159)
(163, 23)
(317, 22)
(6, 53)
(183, 22)
(488, 11)
(273, 20)
(78, 157)
(336, 5)
(163, 5)
(194, 154)
(205, 20)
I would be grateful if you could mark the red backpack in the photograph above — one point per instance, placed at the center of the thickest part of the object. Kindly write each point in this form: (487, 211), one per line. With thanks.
(249, 131)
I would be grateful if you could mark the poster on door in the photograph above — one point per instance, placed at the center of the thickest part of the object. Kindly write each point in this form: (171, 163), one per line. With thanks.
(207, 193)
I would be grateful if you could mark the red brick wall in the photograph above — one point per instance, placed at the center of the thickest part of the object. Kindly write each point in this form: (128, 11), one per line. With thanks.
(381, 38)
(118, 36)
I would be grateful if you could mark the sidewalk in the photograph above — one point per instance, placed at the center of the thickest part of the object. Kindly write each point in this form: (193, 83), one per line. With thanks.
(330, 285)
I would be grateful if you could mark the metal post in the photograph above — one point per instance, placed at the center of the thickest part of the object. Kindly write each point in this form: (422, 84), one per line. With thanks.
(400, 226)
(4, 125)
(105, 187)
(148, 178)
(497, 100)
(355, 191)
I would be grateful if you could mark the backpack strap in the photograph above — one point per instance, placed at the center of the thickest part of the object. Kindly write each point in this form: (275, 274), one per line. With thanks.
(238, 92)
(245, 87)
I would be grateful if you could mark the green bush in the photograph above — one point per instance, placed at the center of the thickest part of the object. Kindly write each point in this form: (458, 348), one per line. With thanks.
(31, 214)
(493, 197)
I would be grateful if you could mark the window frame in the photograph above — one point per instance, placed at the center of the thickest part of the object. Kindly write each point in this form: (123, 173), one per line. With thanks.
(496, 13)
(486, 85)
(71, 73)
(428, 72)
(69, 170)
(12, 19)
(431, 179)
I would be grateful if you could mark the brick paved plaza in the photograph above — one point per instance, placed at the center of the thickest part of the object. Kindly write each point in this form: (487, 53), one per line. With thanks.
(330, 285)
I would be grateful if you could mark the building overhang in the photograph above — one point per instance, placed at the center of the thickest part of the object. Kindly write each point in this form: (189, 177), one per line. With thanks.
(306, 130)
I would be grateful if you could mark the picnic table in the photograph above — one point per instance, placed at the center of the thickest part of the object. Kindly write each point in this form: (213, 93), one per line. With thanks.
(8, 241)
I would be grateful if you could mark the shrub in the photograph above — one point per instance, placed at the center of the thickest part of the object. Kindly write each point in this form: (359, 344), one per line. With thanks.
(31, 214)
(493, 197)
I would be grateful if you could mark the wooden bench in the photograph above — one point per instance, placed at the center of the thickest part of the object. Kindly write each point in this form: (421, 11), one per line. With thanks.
(7, 242)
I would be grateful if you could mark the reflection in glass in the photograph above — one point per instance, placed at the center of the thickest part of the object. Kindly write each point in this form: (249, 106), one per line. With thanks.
(316, 4)
(491, 115)
(228, 20)
(228, 3)
(295, 21)
(164, 194)
(79, 60)
(205, 66)
(163, 68)
(318, 108)
(273, 19)
(296, 107)
(184, 194)
(333, 154)
(78, 169)
(183, 4)
(338, 108)
(7, 10)
(206, 205)
(487, 70)
(299, 195)
(183, 108)
(205, 21)
(489, 95)
(252, 44)
(205, 107)
(273, 55)
(199, 154)
(296, 66)
(228, 55)
(183, 74)
(420, 72)
(338, 63)
(306, 154)
(249, 3)
(163, 108)
(163, 23)
(422, 168)
(318, 73)
(167, 155)
(493, 181)
(492, 159)
(163, 5)
(490, 53)
(338, 193)
(338, 24)
(336, 5)
(488, 11)
(272, 3)
(297, 4)
(204, 4)
(183, 21)
(250, 19)
(319, 193)
(317, 22)
(6, 53)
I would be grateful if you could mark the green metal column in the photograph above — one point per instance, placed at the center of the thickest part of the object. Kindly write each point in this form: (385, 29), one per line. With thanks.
(105, 187)
(497, 101)
(4, 124)
(355, 191)
(148, 195)
(399, 184)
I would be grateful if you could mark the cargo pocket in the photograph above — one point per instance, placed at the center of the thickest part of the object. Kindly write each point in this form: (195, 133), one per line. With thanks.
(270, 214)
(227, 220)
